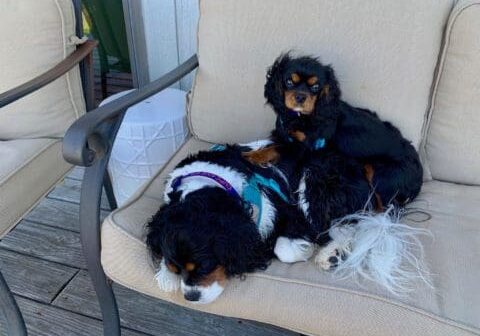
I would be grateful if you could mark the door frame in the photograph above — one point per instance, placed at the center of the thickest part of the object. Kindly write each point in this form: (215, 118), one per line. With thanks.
(136, 39)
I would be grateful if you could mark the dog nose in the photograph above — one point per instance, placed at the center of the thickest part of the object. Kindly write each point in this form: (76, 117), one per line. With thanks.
(193, 295)
(300, 98)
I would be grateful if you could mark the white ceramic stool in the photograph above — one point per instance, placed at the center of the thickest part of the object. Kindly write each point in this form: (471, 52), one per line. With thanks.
(150, 134)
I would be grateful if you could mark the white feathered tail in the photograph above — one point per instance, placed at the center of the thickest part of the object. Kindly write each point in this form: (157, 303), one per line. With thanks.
(382, 249)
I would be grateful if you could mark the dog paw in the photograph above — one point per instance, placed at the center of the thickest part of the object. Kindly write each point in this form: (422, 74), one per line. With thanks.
(299, 135)
(331, 255)
(292, 250)
(166, 280)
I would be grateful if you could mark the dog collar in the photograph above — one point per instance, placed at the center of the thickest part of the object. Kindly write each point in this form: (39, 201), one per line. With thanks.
(319, 143)
(219, 180)
(253, 186)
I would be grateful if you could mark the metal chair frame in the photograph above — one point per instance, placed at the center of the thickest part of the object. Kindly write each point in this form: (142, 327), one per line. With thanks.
(88, 143)
(83, 56)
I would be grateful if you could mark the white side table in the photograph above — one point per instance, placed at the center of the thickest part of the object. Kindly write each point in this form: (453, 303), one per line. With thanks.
(150, 134)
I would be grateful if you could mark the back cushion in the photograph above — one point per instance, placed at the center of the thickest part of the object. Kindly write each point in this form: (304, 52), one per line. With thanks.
(35, 37)
(384, 54)
(453, 139)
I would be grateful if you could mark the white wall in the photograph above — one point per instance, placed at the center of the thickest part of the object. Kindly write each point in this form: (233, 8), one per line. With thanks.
(170, 33)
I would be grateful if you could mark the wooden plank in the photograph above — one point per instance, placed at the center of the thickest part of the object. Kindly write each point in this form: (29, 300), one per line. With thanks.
(127, 76)
(116, 79)
(32, 277)
(45, 242)
(113, 84)
(146, 314)
(187, 13)
(69, 191)
(76, 173)
(45, 320)
(56, 213)
(111, 90)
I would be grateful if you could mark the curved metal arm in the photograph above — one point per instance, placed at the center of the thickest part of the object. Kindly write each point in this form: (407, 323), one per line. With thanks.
(84, 142)
(57, 71)
(88, 142)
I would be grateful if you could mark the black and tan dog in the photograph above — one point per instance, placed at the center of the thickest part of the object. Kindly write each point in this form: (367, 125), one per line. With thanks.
(339, 155)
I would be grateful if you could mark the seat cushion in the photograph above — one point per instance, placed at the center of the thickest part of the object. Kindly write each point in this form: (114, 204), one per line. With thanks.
(35, 37)
(302, 298)
(29, 168)
(384, 54)
(453, 140)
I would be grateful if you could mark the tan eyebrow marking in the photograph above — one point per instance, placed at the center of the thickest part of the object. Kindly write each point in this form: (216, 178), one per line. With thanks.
(172, 268)
(312, 80)
(189, 267)
(295, 77)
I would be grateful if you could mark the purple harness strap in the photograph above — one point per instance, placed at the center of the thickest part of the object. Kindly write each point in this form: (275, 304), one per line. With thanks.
(222, 182)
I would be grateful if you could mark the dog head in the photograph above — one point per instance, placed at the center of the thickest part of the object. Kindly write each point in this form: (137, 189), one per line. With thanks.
(206, 238)
(299, 84)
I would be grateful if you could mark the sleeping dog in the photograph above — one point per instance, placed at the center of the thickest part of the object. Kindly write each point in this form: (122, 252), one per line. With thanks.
(223, 217)
(346, 159)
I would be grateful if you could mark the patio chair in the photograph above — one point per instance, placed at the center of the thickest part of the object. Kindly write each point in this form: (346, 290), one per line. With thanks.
(41, 95)
(416, 63)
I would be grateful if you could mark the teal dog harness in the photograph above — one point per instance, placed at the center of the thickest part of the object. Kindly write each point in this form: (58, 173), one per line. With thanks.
(252, 192)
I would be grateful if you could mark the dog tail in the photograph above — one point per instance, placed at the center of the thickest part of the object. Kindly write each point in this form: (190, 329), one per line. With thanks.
(381, 248)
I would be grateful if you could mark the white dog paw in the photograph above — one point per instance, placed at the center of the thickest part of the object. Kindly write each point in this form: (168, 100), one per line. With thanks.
(166, 280)
(292, 250)
(332, 255)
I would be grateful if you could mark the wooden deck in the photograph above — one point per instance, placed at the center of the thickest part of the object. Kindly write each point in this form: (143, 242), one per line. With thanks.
(43, 264)
(116, 82)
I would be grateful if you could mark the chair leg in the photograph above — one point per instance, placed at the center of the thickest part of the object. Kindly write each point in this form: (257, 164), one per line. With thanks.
(107, 185)
(9, 309)
(91, 244)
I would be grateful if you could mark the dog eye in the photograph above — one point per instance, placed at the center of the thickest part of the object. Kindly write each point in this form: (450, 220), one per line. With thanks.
(314, 88)
(289, 83)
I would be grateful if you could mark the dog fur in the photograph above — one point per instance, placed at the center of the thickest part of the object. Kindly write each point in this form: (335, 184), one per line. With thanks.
(362, 155)
(203, 235)
(366, 164)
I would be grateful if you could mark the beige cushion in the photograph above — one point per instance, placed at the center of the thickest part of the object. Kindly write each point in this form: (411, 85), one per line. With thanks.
(29, 168)
(453, 142)
(384, 54)
(35, 37)
(301, 298)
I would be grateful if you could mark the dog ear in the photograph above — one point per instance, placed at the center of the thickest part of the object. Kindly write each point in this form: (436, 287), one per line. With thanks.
(154, 234)
(238, 245)
(273, 90)
(330, 92)
(157, 230)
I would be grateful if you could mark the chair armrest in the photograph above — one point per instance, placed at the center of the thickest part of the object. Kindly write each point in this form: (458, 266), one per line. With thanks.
(88, 139)
(57, 71)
